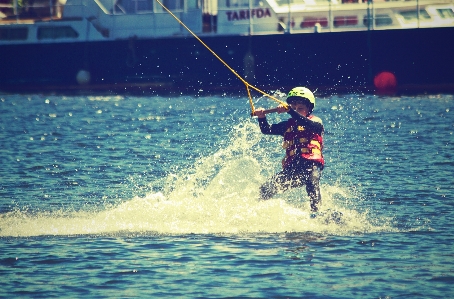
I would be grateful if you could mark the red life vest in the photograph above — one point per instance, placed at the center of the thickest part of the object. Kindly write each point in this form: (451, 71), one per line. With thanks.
(299, 141)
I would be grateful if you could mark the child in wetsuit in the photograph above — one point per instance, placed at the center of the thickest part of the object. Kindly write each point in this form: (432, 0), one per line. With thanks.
(303, 144)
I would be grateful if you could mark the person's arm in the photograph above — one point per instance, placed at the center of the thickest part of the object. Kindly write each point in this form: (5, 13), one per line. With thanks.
(315, 124)
(274, 129)
(266, 128)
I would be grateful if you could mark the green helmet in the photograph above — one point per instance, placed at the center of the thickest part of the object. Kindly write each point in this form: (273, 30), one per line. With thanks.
(301, 93)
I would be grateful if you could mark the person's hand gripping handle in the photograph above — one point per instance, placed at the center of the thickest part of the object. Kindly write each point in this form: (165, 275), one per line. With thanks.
(260, 112)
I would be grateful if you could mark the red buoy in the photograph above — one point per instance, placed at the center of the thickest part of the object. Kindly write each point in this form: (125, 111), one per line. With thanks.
(385, 82)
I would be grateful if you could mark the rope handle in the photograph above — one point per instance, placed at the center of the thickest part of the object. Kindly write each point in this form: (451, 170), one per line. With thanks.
(268, 111)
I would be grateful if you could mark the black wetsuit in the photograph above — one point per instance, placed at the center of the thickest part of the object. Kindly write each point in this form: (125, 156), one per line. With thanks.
(300, 171)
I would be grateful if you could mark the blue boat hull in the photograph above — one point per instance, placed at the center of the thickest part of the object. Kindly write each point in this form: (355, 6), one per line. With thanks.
(420, 59)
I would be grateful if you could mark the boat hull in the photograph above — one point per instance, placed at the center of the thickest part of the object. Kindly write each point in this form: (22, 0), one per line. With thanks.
(419, 59)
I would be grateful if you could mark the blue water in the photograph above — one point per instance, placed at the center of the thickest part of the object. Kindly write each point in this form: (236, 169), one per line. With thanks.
(118, 196)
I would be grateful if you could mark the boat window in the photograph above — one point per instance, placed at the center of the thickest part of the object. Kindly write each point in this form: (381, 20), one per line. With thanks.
(56, 32)
(133, 6)
(20, 33)
(174, 4)
(345, 21)
(380, 20)
(242, 3)
(310, 22)
(383, 20)
(144, 5)
(192, 4)
(445, 13)
(412, 15)
(305, 2)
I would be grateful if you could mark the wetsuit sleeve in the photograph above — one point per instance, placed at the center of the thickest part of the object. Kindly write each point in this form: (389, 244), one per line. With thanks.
(315, 125)
(274, 129)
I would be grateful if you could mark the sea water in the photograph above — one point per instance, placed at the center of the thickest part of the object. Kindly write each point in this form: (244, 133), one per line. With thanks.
(124, 196)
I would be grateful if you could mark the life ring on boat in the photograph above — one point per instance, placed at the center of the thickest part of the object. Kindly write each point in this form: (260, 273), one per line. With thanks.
(385, 82)
(83, 77)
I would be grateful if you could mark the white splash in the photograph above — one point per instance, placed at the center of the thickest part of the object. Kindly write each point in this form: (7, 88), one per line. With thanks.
(219, 195)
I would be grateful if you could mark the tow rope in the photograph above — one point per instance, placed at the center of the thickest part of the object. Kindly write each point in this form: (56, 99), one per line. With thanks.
(246, 84)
